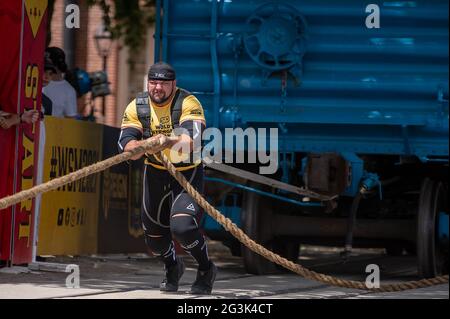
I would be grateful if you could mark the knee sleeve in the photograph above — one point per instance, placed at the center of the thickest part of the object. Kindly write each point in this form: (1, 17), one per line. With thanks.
(185, 230)
(160, 246)
(187, 233)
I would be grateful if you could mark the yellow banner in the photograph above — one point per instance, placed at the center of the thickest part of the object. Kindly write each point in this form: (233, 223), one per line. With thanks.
(69, 215)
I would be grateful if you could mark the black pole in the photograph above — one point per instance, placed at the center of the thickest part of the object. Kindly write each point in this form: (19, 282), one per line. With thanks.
(104, 97)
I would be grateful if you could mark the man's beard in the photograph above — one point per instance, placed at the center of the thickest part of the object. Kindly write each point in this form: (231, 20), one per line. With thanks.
(161, 100)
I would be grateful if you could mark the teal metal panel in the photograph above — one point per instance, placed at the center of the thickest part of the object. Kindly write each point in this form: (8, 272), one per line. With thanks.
(331, 82)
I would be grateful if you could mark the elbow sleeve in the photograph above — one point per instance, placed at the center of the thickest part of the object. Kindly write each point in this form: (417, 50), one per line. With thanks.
(126, 135)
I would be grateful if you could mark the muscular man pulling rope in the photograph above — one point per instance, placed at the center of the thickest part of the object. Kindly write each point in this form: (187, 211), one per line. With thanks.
(168, 211)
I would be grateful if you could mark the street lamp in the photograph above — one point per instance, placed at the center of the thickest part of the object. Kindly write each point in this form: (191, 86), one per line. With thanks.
(103, 41)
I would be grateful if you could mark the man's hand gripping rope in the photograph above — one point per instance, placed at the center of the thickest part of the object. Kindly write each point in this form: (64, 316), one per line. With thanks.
(152, 145)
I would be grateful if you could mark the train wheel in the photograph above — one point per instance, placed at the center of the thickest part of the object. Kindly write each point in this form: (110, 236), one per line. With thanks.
(432, 250)
(256, 223)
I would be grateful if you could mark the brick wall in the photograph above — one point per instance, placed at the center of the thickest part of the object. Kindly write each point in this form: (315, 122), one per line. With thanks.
(57, 24)
(87, 57)
(133, 77)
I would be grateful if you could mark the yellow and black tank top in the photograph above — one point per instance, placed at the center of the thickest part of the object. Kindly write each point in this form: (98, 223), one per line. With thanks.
(160, 122)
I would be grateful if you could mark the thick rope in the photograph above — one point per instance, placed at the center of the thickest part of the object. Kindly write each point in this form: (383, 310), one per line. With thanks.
(6, 202)
(296, 268)
(153, 146)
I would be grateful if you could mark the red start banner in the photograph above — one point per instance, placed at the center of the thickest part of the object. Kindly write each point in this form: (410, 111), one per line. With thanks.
(22, 36)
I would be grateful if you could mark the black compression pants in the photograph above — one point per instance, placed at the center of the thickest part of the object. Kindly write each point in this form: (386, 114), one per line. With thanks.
(169, 212)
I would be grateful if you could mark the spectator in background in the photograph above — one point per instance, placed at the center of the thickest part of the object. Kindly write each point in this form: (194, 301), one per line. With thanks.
(49, 72)
(58, 90)
(8, 120)
(47, 106)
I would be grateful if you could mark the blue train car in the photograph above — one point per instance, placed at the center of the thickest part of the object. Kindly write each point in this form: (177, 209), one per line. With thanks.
(359, 95)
